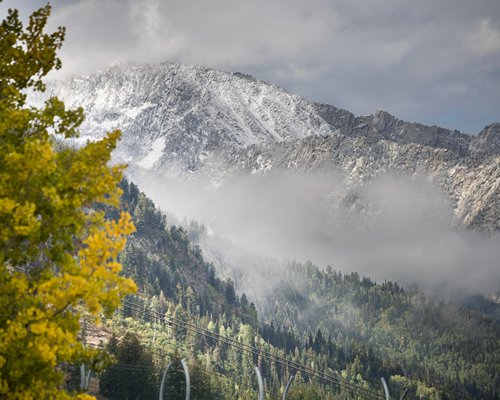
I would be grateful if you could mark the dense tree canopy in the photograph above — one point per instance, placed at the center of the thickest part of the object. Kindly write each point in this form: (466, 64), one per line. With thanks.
(57, 255)
(133, 376)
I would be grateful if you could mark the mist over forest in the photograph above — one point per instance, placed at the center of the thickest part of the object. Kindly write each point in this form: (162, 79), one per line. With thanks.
(395, 227)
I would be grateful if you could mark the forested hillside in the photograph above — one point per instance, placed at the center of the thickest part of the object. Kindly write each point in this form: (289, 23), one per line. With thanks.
(440, 342)
(348, 328)
(164, 264)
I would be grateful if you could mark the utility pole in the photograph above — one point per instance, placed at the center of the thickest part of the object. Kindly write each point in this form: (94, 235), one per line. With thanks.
(84, 376)
(386, 391)
(261, 384)
(287, 387)
(186, 375)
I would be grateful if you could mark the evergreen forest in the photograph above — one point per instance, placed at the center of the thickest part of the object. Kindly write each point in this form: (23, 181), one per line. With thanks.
(336, 333)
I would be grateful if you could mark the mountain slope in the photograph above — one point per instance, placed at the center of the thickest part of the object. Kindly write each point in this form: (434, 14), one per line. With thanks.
(472, 184)
(341, 324)
(184, 114)
(194, 121)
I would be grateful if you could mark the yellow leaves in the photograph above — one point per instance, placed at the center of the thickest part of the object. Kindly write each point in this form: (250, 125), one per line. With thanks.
(46, 194)
(33, 340)
(68, 254)
(40, 156)
(51, 195)
(92, 279)
(98, 261)
(24, 220)
(7, 206)
(83, 396)
(17, 219)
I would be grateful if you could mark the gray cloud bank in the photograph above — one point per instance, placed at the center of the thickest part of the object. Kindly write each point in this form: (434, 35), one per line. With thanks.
(426, 61)
(392, 228)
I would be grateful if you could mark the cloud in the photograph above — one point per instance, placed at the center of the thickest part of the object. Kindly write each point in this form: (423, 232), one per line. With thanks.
(405, 57)
(484, 38)
(395, 227)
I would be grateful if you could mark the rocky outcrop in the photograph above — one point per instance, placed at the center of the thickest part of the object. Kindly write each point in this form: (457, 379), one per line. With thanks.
(473, 187)
(487, 143)
(382, 125)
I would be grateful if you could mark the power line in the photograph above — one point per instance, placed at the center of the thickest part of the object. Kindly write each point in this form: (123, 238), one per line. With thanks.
(131, 366)
(313, 374)
(257, 351)
(251, 349)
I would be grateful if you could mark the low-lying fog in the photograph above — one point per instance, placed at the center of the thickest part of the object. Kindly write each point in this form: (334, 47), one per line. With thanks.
(395, 227)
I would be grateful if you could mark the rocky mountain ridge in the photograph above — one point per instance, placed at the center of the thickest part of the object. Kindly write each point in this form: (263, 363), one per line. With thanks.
(191, 120)
(472, 186)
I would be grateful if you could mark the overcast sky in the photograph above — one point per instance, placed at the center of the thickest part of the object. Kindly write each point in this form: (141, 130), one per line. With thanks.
(429, 61)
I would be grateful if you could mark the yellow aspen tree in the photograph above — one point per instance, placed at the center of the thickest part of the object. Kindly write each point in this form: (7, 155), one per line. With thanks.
(58, 255)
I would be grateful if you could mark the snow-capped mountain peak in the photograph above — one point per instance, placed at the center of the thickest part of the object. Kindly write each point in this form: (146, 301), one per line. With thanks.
(183, 113)
(186, 120)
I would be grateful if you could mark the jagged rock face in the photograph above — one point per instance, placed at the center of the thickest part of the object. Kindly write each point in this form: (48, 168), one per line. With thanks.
(487, 142)
(383, 125)
(189, 120)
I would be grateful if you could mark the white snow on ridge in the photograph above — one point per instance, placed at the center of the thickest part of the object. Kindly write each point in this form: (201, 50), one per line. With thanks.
(133, 112)
(196, 111)
(154, 155)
